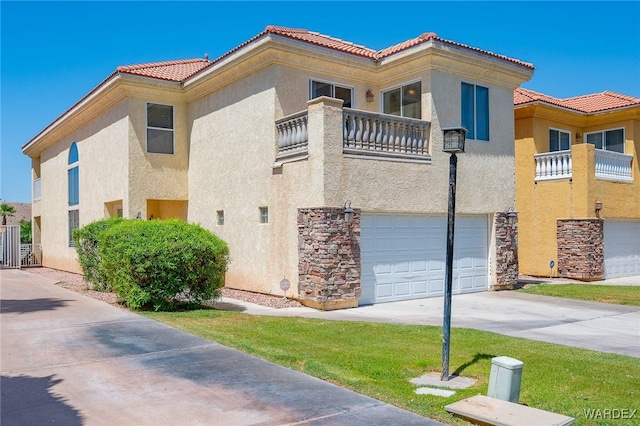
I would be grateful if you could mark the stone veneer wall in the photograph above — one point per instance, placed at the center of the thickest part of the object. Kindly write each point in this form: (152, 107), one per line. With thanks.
(506, 252)
(328, 258)
(581, 249)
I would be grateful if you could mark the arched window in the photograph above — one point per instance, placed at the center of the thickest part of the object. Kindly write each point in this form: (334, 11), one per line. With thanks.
(73, 178)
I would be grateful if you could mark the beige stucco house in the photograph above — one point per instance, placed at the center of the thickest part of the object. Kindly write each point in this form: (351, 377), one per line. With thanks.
(266, 144)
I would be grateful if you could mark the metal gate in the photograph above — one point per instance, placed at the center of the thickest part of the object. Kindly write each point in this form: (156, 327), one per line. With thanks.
(11, 247)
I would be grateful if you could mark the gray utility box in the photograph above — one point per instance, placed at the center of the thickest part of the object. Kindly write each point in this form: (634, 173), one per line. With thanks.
(505, 378)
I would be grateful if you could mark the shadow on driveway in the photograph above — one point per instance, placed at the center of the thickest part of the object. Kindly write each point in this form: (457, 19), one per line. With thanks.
(30, 401)
(25, 306)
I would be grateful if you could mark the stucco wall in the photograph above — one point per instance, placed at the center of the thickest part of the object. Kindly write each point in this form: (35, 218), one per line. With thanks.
(102, 149)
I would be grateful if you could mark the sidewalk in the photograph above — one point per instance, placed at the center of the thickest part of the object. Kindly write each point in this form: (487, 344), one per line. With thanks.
(72, 360)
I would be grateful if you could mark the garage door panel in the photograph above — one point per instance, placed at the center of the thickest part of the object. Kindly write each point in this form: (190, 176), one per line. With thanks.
(407, 258)
(621, 248)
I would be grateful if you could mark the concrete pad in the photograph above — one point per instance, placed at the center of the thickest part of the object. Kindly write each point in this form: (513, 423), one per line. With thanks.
(483, 410)
(72, 360)
(433, 379)
(434, 391)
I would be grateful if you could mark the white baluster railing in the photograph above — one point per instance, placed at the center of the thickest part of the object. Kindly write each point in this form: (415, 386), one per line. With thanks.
(382, 135)
(553, 165)
(613, 166)
(293, 137)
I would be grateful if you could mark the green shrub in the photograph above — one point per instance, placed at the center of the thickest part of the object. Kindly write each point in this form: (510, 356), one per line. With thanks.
(86, 240)
(163, 264)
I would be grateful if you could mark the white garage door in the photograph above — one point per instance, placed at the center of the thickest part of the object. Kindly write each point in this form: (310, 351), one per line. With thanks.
(403, 256)
(621, 248)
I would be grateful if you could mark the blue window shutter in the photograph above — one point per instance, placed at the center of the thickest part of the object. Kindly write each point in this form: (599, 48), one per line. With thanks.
(467, 113)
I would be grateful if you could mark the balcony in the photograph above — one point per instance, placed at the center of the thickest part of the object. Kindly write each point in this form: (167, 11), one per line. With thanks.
(608, 165)
(364, 135)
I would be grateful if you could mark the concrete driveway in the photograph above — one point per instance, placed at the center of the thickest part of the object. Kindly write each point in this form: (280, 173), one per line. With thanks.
(71, 360)
(590, 325)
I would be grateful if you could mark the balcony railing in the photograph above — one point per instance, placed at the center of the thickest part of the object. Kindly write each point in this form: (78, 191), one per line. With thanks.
(553, 165)
(365, 134)
(293, 138)
(613, 166)
(37, 190)
(382, 135)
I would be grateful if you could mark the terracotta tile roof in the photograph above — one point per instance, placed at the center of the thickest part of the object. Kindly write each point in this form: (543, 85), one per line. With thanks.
(177, 71)
(595, 102)
(355, 49)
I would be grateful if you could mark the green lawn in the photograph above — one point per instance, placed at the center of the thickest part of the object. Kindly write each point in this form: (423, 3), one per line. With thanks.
(619, 295)
(379, 360)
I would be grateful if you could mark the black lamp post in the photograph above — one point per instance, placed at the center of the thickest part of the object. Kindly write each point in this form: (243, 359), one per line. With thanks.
(454, 138)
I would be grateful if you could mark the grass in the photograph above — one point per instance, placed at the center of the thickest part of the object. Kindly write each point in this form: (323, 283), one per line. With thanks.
(378, 360)
(619, 295)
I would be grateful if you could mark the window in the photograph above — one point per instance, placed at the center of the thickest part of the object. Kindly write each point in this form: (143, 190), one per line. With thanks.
(559, 140)
(74, 222)
(609, 140)
(320, 88)
(73, 190)
(264, 215)
(475, 111)
(405, 101)
(220, 214)
(159, 128)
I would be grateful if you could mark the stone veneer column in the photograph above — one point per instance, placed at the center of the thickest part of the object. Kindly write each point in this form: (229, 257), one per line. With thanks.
(581, 249)
(506, 252)
(328, 258)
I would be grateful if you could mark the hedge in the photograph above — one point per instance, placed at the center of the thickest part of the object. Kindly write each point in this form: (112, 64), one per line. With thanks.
(163, 264)
(86, 241)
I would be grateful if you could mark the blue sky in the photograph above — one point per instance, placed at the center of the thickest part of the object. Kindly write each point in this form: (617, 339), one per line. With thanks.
(53, 53)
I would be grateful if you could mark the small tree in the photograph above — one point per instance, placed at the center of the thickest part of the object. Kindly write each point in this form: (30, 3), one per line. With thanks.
(5, 211)
(25, 232)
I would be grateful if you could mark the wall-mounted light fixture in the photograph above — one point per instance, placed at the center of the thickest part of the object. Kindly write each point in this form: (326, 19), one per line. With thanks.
(578, 137)
(139, 216)
(598, 205)
(370, 96)
(348, 212)
(511, 216)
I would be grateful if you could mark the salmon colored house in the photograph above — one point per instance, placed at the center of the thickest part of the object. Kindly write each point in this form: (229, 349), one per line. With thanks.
(578, 185)
(269, 145)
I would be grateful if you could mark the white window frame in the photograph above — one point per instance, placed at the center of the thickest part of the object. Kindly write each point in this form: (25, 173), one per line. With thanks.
(172, 130)
(559, 131)
(333, 90)
(400, 86)
(604, 139)
(71, 225)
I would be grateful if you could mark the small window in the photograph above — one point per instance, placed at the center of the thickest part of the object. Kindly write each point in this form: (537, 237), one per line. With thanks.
(220, 214)
(405, 101)
(159, 129)
(264, 215)
(74, 223)
(559, 140)
(608, 140)
(475, 111)
(320, 88)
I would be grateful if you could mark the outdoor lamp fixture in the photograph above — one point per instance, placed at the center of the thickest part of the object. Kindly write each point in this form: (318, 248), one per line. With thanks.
(139, 216)
(598, 205)
(453, 142)
(348, 212)
(369, 96)
(511, 216)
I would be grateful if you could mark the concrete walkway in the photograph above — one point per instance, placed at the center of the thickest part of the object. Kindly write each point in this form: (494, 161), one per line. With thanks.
(71, 360)
(589, 325)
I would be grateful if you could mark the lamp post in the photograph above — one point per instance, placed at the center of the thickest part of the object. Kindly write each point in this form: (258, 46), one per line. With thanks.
(453, 142)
